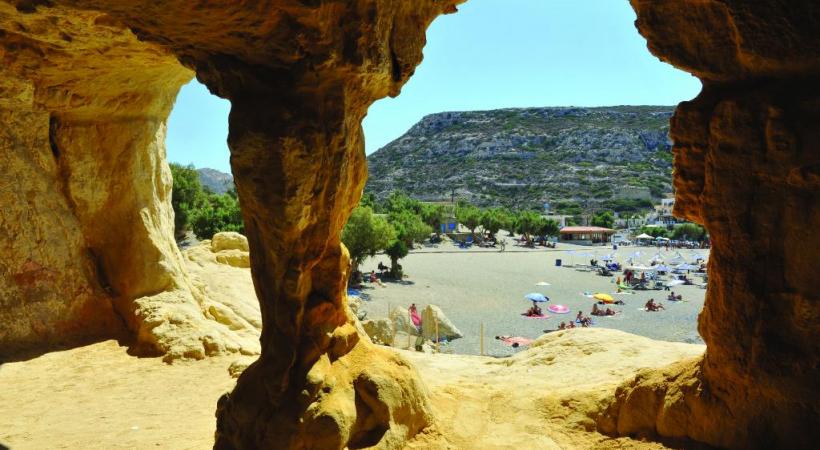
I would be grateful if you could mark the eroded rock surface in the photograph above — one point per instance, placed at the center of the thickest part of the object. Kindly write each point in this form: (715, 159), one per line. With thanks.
(87, 85)
(747, 153)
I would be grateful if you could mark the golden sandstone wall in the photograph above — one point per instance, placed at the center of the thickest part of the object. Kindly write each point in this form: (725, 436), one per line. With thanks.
(85, 88)
(747, 166)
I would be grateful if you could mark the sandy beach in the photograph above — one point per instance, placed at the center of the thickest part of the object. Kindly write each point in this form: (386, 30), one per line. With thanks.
(486, 286)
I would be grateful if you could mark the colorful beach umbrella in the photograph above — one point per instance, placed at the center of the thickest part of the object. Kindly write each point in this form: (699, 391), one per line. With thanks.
(536, 297)
(606, 298)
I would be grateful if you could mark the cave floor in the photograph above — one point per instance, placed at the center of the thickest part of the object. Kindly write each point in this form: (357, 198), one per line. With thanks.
(99, 397)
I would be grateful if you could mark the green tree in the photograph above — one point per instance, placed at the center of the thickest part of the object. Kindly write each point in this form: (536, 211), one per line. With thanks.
(527, 223)
(399, 201)
(689, 231)
(187, 196)
(365, 234)
(396, 251)
(220, 212)
(493, 220)
(433, 215)
(369, 200)
(409, 229)
(604, 219)
(469, 216)
(547, 227)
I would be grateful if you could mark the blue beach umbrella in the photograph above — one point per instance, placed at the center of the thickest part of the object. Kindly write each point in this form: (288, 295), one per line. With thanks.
(536, 297)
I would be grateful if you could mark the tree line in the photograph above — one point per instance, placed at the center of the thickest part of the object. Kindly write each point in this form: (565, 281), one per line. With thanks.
(399, 222)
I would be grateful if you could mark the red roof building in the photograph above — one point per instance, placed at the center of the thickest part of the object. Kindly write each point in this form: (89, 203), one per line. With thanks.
(586, 235)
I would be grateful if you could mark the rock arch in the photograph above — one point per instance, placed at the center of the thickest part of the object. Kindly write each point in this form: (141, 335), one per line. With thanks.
(87, 85)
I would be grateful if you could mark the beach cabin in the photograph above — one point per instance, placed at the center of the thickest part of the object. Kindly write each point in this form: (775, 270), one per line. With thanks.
(586, 235)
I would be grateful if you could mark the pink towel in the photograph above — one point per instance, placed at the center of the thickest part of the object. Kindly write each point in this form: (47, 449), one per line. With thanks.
(542, 316)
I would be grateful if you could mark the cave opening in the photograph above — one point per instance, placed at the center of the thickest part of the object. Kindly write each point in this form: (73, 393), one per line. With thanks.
(197, 146)
(85, 149)
(492, 130)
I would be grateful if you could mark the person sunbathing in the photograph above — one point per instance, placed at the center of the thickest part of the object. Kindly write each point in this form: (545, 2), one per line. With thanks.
(596, 311)
(534, 311)
(652, 306)
(609, 312)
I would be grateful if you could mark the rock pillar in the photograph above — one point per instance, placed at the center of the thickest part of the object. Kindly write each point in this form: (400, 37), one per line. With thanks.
(299, 164)
(747, 153)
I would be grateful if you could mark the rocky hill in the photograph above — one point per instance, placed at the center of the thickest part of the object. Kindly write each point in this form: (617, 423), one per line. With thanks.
(214, 180)
(573, 158)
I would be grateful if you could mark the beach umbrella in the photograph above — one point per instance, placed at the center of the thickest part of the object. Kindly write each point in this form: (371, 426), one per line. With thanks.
(657, 258)
(558, 309)
(606, 298)
(542, 283)
(536, 297)
(674, 283)
(662, 268)
(685, 266)
(607, 258)
(643, 236)
(642, 268)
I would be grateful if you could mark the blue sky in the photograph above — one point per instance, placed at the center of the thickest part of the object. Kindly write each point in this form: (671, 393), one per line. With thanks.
(491, 54)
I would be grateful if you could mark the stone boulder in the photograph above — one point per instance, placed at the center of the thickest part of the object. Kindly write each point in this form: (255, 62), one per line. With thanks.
(400, 318)
(431, 315)
(229, 240)
(379, 330)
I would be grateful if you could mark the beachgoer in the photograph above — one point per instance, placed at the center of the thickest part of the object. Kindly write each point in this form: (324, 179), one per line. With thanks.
(580, 316)
(650, 305)
(571, 324)
(414, 316)
(562, 326)
(609, 312)
(595, 310)
(618, 281)
(373, 276)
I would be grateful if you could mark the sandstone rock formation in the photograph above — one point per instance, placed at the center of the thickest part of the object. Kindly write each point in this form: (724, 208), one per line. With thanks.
(86, 86)
(746, 166)
(380, 331)
(434, 324)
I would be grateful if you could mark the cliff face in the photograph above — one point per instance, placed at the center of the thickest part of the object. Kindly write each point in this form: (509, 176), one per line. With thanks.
(524, 157)
(87, 85)
(88, 249)
(746, 166)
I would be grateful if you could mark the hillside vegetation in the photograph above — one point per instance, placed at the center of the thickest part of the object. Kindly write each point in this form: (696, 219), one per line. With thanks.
(574, 158)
